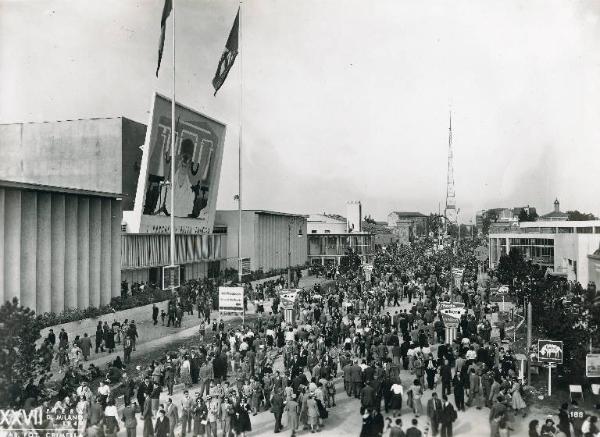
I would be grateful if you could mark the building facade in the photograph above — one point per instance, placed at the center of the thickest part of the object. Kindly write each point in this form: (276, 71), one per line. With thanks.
(326, 224)
(268, 238)
(61, 197)
(561, 246)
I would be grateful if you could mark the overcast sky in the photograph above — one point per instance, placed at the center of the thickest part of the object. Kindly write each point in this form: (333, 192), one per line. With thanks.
(342, 99)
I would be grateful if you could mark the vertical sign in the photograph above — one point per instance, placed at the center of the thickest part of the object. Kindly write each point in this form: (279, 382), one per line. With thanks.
(171, 277)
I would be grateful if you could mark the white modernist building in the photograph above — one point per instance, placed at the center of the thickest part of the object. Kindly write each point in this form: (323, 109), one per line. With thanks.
(561, 246)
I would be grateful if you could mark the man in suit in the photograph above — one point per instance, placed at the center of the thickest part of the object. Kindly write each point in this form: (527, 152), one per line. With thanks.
(434, 408)
(128, 417)
(277, 409)
(86, 346)
(348, 378)
(356, 374)
(447, 417)
(446, 375)
(173, 416)
(497, 412)
(413, 431)
(147, 416)
(367, 398)
(161, 429)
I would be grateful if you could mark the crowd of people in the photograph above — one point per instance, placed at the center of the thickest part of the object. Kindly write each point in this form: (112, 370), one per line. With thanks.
(288, 361)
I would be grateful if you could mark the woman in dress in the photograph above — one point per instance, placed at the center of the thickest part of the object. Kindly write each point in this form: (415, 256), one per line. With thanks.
(199, 414)
(396, 397)
(417, 392)
(313, 413)
(242, 423)
(110, 419)
(518, 404)
(186, 376)
(302, 405)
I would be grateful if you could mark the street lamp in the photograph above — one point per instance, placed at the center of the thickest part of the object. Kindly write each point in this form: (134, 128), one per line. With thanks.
(289, 275)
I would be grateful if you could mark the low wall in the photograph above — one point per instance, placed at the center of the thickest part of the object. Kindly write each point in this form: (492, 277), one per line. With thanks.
(89, 325)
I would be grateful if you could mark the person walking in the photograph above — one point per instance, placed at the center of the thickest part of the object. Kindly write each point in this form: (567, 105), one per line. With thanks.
(86, 346)
(447, 417)
(434, 409)
(154, 314)
(147, 416)
(277, 409)
(129, 419)
(161, 429)
(173, 416)
(187, 405)
(292, 414)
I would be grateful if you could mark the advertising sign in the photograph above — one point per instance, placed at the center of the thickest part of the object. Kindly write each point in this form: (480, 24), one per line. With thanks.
(198, 156)
(171, 277)
(450, 321)
(550, 351)
(231, 299)
(592, 365)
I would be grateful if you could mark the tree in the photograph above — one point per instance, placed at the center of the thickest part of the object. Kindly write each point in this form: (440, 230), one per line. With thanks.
(580, 216)
(523, 217)
(434, 224)
(511, 267)
(369, 219)
(23, 366)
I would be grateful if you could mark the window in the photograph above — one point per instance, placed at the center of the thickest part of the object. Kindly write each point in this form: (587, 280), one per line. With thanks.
(586, 230)
(314, 231)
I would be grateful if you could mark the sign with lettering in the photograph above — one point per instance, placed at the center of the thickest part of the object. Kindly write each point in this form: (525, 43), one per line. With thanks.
(171, 277)
(231, 299)
(592, 365)
(550, 351)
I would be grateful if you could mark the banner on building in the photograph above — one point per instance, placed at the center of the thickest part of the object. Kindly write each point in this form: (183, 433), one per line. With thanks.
(198, 155)
(550, 351)
(592, 365)
(231, 299)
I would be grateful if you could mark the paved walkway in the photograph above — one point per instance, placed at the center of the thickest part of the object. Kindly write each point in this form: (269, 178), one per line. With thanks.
(189, 328)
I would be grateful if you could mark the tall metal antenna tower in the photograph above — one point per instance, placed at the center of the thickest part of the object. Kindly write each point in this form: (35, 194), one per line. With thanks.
(450, 210)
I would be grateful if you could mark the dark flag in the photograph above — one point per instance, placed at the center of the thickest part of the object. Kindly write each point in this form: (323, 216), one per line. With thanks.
(228, 56)
(163, 24)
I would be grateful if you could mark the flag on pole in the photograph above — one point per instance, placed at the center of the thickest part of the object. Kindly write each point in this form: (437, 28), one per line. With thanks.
(163, 24)
(228, 56)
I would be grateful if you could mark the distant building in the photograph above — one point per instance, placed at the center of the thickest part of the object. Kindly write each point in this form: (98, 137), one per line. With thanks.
(326, 224)
(268, 238)
(407, 225)
(331, 235)
(354, 216)
(561, 246)
(556, 214)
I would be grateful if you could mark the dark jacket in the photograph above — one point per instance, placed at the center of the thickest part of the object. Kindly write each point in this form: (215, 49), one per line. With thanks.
(161, 429)
(277, 403)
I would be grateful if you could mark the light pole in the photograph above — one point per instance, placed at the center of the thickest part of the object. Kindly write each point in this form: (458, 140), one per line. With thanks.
(289, 275)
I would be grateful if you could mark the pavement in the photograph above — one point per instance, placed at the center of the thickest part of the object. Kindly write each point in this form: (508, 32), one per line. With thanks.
(172, 335)
(344, 419)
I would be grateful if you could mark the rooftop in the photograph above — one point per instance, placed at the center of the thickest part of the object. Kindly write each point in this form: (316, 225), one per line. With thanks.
(408, 214)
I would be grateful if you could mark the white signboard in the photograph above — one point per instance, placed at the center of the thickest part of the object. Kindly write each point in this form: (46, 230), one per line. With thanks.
(231, 299)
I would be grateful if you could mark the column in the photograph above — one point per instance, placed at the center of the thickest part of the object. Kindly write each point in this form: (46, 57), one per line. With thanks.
(95, 248)
(2, 199)
(71, 252)
(83, 252)
(12, 244)
(59, 261)
(115, 246)
(28, 249)
(44, 251)
(105, 252)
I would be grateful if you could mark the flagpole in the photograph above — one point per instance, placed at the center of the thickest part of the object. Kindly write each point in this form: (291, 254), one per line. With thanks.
(173, 143)
(241, 53)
